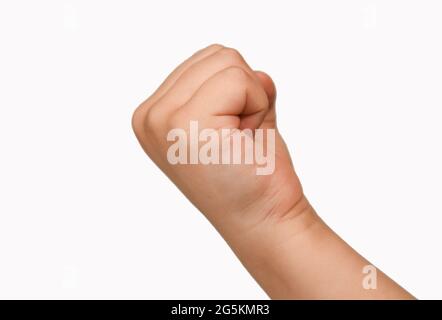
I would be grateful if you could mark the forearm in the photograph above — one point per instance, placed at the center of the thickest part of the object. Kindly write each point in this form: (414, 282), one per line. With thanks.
(297, 256)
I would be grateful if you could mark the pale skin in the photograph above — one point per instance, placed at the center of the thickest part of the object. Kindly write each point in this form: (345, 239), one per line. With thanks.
(266, 220)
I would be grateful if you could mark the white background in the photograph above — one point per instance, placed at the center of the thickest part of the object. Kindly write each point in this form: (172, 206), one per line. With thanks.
(85, 214)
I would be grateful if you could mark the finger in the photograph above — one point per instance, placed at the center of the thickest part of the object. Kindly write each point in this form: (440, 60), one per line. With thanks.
(141, 112)
(191, 80)
(233, 95)
(175, 75)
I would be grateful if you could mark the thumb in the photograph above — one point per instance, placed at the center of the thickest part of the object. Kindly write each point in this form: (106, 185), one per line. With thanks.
(270, 89)
(268, 85)
(231, 97)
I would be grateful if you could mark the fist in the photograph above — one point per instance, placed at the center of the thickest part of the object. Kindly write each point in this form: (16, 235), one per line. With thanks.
(211, 128)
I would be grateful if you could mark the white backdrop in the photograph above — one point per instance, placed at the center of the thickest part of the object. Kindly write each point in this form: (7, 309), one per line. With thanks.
(85, 214)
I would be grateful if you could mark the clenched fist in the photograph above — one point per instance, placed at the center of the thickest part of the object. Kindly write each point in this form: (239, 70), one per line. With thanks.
(211, 127)
(216, 89)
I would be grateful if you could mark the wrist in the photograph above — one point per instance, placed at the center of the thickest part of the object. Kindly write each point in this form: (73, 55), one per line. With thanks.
(263, 249)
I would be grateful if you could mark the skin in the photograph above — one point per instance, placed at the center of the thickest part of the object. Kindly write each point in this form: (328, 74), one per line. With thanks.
(266, 220)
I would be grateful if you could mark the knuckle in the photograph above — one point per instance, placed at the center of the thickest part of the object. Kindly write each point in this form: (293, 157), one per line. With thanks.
(237, 75)
(176, 119)
(231, 56)
(152, 119)
(215, 46)
(138, 119)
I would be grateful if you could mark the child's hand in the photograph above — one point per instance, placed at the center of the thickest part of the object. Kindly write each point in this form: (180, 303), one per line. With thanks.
(216, 88)
(259, 208)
